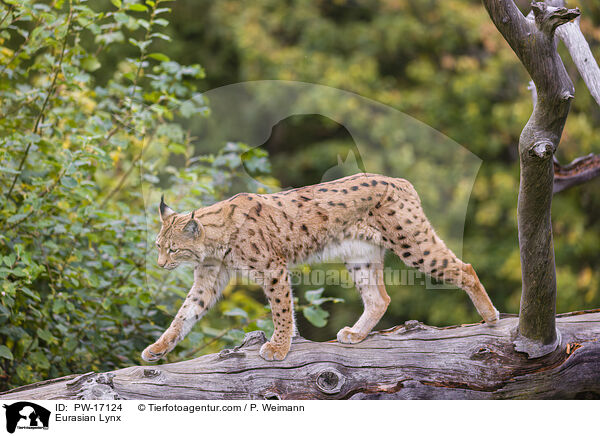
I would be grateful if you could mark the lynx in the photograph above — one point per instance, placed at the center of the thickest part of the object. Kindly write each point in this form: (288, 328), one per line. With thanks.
(354, 219)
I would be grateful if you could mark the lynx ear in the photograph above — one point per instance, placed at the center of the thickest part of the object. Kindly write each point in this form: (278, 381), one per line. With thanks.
(192, 228)
(164, 210)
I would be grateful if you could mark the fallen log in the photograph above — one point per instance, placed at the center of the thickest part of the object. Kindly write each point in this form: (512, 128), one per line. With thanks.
(410, 361)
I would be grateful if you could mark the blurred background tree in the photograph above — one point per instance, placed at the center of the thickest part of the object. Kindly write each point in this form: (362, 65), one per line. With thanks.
(92, 110)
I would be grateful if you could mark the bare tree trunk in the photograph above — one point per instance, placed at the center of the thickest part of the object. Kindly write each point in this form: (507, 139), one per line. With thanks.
(411, 361)
(534, 43)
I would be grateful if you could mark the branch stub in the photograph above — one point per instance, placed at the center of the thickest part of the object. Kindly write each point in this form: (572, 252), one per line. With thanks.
(543, 149)
(548, 18)
(330, 381)
(256, 337)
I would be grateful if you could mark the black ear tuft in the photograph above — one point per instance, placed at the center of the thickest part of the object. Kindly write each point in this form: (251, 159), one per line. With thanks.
(164, 210)
(163, 206)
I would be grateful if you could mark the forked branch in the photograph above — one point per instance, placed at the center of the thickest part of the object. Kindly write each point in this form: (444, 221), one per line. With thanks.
(580, 52)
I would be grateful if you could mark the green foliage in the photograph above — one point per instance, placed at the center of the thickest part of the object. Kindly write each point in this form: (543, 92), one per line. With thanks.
(313, 312)
(78, 291)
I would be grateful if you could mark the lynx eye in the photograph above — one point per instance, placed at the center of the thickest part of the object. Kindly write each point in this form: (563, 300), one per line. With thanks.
(173, 250)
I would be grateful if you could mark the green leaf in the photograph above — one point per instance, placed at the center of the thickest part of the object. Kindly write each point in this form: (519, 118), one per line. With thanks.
(211, 332)
(316, 316)
(58, 306)
(9, 260)
(16, 217)
(39, 359)
(90, 63)
(266, 325)
(320, 301)
(68, 182)
(313, 295)
(195, 337)
(159, 57)
(23, 372)
(45, 335)
(9, 170)
(143, 23)
(187, 109)
(137, 7)
(5, 353)
(161, 36)
(121, 17)
(236, 311)
(235, 335)
(31, 293)
(177, 148)
(116, 3)
(145, 298)
(140, 44)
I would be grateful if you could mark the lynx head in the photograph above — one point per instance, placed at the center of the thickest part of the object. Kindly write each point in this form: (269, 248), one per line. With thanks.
(180, 238)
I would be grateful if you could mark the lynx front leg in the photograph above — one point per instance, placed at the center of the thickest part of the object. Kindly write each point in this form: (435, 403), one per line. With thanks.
(209, 281)
(277, 288)
(368, 279)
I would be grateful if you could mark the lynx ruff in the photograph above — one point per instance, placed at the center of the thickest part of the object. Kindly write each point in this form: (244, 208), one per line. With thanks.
(353, 219)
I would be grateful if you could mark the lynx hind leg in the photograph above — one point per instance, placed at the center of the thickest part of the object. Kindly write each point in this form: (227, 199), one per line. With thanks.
(408, 233)
(367, 274)
(473, 287)
(463, 275)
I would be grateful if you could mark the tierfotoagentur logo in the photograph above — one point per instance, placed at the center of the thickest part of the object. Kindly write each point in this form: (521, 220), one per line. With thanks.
(26, 416)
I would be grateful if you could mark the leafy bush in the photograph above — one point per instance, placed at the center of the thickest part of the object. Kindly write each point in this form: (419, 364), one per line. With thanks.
(78, 292)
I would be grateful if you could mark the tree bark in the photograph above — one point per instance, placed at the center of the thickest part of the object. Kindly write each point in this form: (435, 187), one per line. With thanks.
(581, 170)
(534, 42)
(411, 361)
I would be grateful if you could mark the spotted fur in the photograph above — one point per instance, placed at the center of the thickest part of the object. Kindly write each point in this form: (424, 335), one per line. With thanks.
(353, 219)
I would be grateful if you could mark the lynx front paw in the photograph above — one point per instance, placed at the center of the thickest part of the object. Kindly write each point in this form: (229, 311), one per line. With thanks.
(271, 351)
(492, 320)
(349, 336)
(154, 352)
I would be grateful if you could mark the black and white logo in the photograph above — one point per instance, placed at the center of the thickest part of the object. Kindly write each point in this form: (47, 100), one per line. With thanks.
(26, 415)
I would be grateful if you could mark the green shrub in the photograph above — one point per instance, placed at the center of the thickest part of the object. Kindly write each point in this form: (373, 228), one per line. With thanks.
(77, 291)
